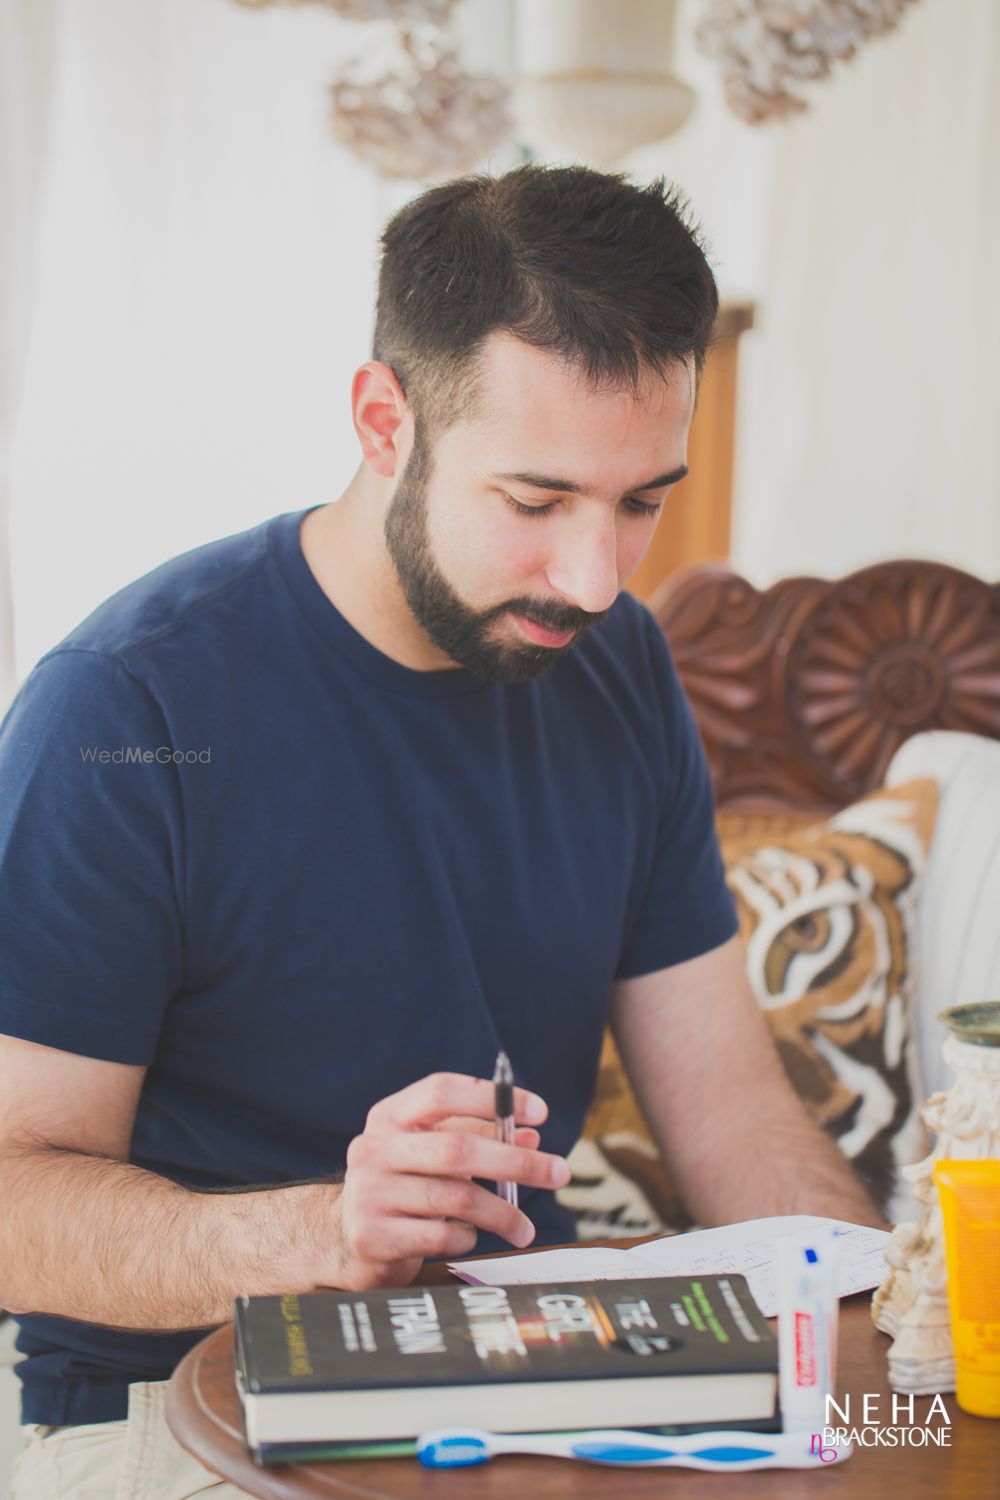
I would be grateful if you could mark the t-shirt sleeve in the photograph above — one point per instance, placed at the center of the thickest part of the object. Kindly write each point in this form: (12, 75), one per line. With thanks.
(90, 854)
(686, 908)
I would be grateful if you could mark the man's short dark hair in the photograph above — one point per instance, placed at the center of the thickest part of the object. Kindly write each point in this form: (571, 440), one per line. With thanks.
(606, 275)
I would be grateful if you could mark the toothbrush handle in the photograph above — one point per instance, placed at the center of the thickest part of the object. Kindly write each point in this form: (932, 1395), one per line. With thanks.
(723, 1451)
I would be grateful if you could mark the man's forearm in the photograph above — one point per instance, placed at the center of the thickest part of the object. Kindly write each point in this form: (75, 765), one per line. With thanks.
(107, 1242)
(777, 1160)
(738, 1139)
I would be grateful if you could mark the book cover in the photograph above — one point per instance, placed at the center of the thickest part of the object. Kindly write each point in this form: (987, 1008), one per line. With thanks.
(362, 1366)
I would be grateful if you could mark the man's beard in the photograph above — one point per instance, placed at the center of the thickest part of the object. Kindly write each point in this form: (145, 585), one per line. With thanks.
(465, 635)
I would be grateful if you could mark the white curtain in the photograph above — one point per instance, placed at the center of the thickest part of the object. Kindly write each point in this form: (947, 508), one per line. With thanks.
(26, 41)
(204, 278)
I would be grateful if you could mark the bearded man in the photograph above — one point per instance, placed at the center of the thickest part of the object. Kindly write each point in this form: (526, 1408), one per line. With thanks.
(300, 829)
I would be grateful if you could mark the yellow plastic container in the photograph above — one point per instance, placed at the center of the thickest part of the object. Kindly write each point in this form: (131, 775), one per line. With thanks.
(970, 1207)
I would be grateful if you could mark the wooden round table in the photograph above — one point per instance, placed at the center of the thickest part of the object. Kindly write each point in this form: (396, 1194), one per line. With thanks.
(203, 1412)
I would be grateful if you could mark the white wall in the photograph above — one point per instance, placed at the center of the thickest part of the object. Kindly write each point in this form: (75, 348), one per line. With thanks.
(868, 233)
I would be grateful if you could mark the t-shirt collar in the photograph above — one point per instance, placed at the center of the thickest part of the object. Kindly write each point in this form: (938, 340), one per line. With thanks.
(323, 615)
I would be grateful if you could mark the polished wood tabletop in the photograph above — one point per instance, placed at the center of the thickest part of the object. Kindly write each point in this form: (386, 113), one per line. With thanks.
(203, 1412)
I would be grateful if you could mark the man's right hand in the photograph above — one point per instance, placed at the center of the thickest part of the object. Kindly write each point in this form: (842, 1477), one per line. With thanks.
(409, 1193)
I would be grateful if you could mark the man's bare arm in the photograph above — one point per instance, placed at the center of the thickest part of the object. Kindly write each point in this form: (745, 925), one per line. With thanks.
(98, 1239)
(85, 1234)
(734, 1133)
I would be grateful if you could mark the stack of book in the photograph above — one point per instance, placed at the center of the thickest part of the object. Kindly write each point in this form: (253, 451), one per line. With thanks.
(338, 1374)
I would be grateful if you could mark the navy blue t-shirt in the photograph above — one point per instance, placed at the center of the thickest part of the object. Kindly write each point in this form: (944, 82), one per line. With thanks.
(241, 846)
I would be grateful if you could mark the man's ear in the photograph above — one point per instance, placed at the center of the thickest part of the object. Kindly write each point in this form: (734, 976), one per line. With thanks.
(382, 418)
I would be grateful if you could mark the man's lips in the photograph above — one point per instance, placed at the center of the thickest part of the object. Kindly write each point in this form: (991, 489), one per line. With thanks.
(540, 635)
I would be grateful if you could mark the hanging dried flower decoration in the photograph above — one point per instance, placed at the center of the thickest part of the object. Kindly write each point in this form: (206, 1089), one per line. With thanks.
(768, 48)
(425, 117)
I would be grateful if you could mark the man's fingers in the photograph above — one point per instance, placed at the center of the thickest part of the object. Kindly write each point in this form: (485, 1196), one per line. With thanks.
(424, 1104)
(457, 1200)
(456, 1153)
(525, 1135)
(402, 1238)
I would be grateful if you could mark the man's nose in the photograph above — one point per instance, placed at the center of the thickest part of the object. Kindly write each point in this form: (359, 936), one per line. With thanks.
(583, 567)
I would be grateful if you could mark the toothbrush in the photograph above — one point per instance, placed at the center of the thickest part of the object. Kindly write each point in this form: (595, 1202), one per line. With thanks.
(732, 1452)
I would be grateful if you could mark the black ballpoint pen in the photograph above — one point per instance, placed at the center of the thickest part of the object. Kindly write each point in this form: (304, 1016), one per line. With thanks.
(503, 1095)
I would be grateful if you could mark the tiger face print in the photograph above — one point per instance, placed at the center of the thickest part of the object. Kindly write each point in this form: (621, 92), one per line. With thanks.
(826, 918)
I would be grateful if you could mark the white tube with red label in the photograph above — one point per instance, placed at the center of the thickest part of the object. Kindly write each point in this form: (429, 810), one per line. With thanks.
(808, 1312)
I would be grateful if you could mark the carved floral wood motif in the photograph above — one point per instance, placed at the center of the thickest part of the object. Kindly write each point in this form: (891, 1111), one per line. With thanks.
(803, 692)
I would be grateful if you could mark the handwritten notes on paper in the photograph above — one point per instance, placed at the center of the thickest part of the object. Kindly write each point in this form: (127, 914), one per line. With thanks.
(747, 1248)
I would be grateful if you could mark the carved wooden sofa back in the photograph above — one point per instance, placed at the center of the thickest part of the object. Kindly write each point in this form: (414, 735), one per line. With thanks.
(804, 691)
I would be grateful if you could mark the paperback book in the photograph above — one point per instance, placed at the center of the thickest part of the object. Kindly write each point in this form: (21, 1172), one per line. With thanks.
(361, 1374)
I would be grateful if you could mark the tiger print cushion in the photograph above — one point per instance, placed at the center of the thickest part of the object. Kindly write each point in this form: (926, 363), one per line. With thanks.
(826, 918)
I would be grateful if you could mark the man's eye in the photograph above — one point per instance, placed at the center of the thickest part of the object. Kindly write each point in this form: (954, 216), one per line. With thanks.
(636, 507)
(529, 510)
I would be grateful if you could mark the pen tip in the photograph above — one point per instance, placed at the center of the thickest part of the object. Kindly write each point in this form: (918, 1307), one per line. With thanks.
(503, 1072)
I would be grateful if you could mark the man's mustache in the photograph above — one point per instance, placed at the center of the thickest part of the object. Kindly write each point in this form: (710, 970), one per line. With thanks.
(548, 613)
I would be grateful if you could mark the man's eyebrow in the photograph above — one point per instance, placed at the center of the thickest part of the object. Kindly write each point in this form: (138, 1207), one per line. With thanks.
(573, 487)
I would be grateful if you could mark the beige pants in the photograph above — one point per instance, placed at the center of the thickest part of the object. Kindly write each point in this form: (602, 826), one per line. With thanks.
(134, 1460)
